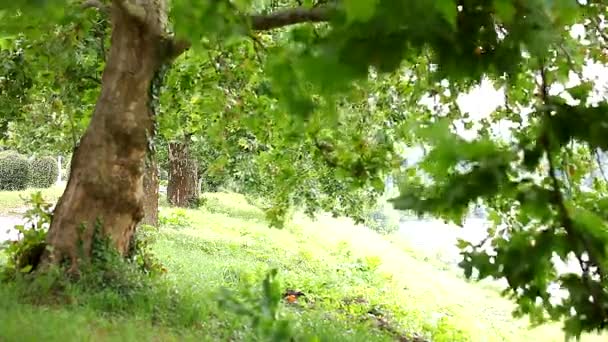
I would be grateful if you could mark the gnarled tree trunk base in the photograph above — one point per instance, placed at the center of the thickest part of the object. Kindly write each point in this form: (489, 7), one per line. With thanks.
(105, 187)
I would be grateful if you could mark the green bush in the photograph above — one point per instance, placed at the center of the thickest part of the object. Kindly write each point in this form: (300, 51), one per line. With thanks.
(43, 172)
(14, 171)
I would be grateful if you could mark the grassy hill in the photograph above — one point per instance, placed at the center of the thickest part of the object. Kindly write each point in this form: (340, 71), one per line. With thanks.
(358, 285)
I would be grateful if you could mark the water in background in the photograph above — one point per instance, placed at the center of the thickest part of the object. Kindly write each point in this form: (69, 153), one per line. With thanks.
(434, 237)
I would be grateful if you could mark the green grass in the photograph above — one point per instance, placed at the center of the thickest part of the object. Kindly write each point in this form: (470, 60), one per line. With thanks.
(13, 202)
(34, 323)
(345, 271)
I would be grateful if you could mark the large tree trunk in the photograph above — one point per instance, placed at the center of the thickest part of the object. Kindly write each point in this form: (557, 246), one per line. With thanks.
(183, 187)
(151, 192)
(105, 187)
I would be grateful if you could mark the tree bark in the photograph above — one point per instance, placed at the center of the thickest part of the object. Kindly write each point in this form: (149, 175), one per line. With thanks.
(183, 187)
(151, 192)
(105, 188)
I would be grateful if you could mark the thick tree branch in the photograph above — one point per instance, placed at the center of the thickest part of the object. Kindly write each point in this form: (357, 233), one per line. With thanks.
(133, 9)
(173, 48)
(259, 22)
(292, 16)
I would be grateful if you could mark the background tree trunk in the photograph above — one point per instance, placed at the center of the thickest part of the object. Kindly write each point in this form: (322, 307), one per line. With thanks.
(183, 187)
(151, 192)
(105, 187)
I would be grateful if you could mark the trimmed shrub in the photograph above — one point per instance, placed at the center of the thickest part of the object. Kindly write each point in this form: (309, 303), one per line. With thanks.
(43, 172)
(14, 171)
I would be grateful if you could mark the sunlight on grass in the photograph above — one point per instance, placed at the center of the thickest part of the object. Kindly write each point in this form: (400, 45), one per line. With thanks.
(13, 202)
(346, 271)
(424, 290)
(29, 323)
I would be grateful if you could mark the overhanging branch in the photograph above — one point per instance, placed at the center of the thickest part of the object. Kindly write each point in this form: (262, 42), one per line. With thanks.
(292, 16)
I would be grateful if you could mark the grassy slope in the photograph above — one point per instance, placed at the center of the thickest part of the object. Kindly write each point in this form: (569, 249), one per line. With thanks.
(13, 202)
(227, 244)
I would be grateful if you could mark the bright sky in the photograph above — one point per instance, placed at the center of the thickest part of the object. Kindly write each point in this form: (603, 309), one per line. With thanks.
(484, 99)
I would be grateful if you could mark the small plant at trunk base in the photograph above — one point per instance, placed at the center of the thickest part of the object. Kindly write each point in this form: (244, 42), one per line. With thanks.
(109, 282)
(108, 269)
(264, 312)
(24, 254)
(140, 252)
(14, 171)
(43, 172)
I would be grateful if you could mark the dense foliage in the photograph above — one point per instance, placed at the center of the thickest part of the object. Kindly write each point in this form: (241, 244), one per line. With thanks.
(317, 115)
(15, 80)
(14, 171)
(56, 75)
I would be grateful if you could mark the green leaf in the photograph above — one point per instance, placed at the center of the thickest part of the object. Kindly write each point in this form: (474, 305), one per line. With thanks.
(532, 157)
(505, 10)
(462, 244)
(378, 184)
(565, 12)
(581, 91)
(360, 10)
(449, 11)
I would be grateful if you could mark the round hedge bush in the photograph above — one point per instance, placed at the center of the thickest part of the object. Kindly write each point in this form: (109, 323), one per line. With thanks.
(43, 172)
(14, 171)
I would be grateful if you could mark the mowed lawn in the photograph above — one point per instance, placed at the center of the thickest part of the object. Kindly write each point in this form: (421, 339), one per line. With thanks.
(359, 286)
